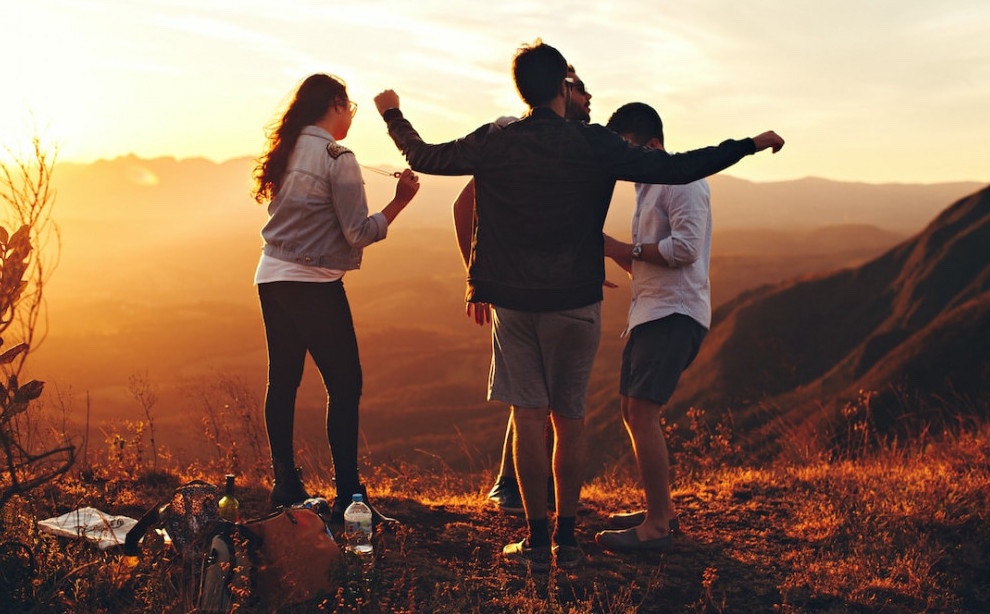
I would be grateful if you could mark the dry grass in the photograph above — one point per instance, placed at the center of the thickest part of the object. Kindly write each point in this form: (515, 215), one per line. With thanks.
(895, 529)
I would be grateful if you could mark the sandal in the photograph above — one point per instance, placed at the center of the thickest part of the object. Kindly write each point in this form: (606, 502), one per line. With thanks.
(626, 540)
(627, 520)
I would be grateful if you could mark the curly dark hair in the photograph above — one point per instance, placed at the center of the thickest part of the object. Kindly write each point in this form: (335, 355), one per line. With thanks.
(315, 95)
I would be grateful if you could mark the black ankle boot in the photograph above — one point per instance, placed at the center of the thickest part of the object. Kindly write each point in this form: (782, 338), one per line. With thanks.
(288, 489)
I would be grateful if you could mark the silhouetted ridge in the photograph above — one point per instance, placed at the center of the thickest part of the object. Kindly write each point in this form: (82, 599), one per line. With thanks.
(911, 325)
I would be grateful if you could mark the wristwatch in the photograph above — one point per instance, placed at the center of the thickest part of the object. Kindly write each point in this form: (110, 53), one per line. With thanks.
(637, 251)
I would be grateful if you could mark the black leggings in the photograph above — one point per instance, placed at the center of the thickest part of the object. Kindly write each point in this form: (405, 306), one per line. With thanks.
(311, 317)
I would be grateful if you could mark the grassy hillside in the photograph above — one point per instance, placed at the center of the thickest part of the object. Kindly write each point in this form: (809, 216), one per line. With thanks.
(895, 527)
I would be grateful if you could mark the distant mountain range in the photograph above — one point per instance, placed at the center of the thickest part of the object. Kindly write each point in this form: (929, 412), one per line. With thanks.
(166, 188)
(911, 327)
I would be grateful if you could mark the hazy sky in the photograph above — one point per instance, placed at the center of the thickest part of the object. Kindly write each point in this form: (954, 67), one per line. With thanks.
(864, 90)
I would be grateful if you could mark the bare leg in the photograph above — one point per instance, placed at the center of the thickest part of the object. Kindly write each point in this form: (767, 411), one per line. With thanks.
(642, 420)
(568, 463)
(532, 465)
(507, 469)
(549, 436)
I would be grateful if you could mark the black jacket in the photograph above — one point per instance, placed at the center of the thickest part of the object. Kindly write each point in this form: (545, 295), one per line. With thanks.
(543, 187)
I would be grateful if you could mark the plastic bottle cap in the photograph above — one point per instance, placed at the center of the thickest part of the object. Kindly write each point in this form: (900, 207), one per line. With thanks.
(356, 497)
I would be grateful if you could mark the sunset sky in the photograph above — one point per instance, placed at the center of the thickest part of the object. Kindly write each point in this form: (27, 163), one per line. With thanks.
(873, 91)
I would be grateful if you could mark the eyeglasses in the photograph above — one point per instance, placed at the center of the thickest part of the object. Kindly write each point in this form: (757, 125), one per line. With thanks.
(576, 84)
(352, 107)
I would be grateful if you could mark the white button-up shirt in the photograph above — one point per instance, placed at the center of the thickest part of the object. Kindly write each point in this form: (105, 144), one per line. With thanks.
(678, 219)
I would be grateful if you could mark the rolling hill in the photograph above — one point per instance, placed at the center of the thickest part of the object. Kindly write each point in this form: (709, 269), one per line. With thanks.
(911, 327)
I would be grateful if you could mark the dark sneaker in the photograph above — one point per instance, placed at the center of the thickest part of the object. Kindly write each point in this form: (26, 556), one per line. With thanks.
(567, 557)
(534, 559)
(505, 495)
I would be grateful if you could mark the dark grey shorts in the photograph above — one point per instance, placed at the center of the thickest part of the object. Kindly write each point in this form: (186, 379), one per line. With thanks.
(656, 354)
(542, 360)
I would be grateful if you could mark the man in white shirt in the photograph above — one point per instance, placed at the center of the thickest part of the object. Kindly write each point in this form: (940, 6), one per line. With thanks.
(669, 315)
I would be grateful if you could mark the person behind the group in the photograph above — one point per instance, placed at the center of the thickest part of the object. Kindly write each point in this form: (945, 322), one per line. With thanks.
(505, 492)
(543, 187)
(317, 229)
(669, 315)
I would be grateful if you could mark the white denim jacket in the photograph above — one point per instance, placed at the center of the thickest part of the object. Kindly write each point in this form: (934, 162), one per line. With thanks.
(319, 216)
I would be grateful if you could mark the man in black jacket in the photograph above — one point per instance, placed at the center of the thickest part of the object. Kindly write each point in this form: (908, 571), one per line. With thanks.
(543, 188)
(505, 492)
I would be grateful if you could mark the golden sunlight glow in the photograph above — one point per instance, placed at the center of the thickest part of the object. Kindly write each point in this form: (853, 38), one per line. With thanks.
(108, 78)
(141, 175)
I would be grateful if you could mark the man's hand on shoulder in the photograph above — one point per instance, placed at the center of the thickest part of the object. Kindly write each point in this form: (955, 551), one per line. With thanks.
(768, 139)
(387, 100)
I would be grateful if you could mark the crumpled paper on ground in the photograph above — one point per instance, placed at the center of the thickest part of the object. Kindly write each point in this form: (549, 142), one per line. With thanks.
(100, 528)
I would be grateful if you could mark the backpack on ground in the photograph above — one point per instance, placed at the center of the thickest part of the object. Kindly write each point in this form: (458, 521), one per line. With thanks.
(285, 558)
(189, 515)
(297, 558)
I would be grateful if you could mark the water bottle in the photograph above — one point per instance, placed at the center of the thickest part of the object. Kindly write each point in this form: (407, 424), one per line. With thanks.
(357, 527)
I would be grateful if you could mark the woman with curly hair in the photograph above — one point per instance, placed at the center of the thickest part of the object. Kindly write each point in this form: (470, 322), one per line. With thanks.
(317, 229)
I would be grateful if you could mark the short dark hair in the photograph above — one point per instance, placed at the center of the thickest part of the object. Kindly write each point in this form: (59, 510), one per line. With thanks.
(637, 120)
(538, 70)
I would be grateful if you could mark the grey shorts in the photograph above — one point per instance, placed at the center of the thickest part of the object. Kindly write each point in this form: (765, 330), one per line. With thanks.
(542, 360)
(656, 354)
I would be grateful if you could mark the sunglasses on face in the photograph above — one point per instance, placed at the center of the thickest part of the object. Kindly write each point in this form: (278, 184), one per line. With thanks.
(576, 84)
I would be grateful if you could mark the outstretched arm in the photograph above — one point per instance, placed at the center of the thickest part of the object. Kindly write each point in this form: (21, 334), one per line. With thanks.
(457, 157)
(630, 163)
